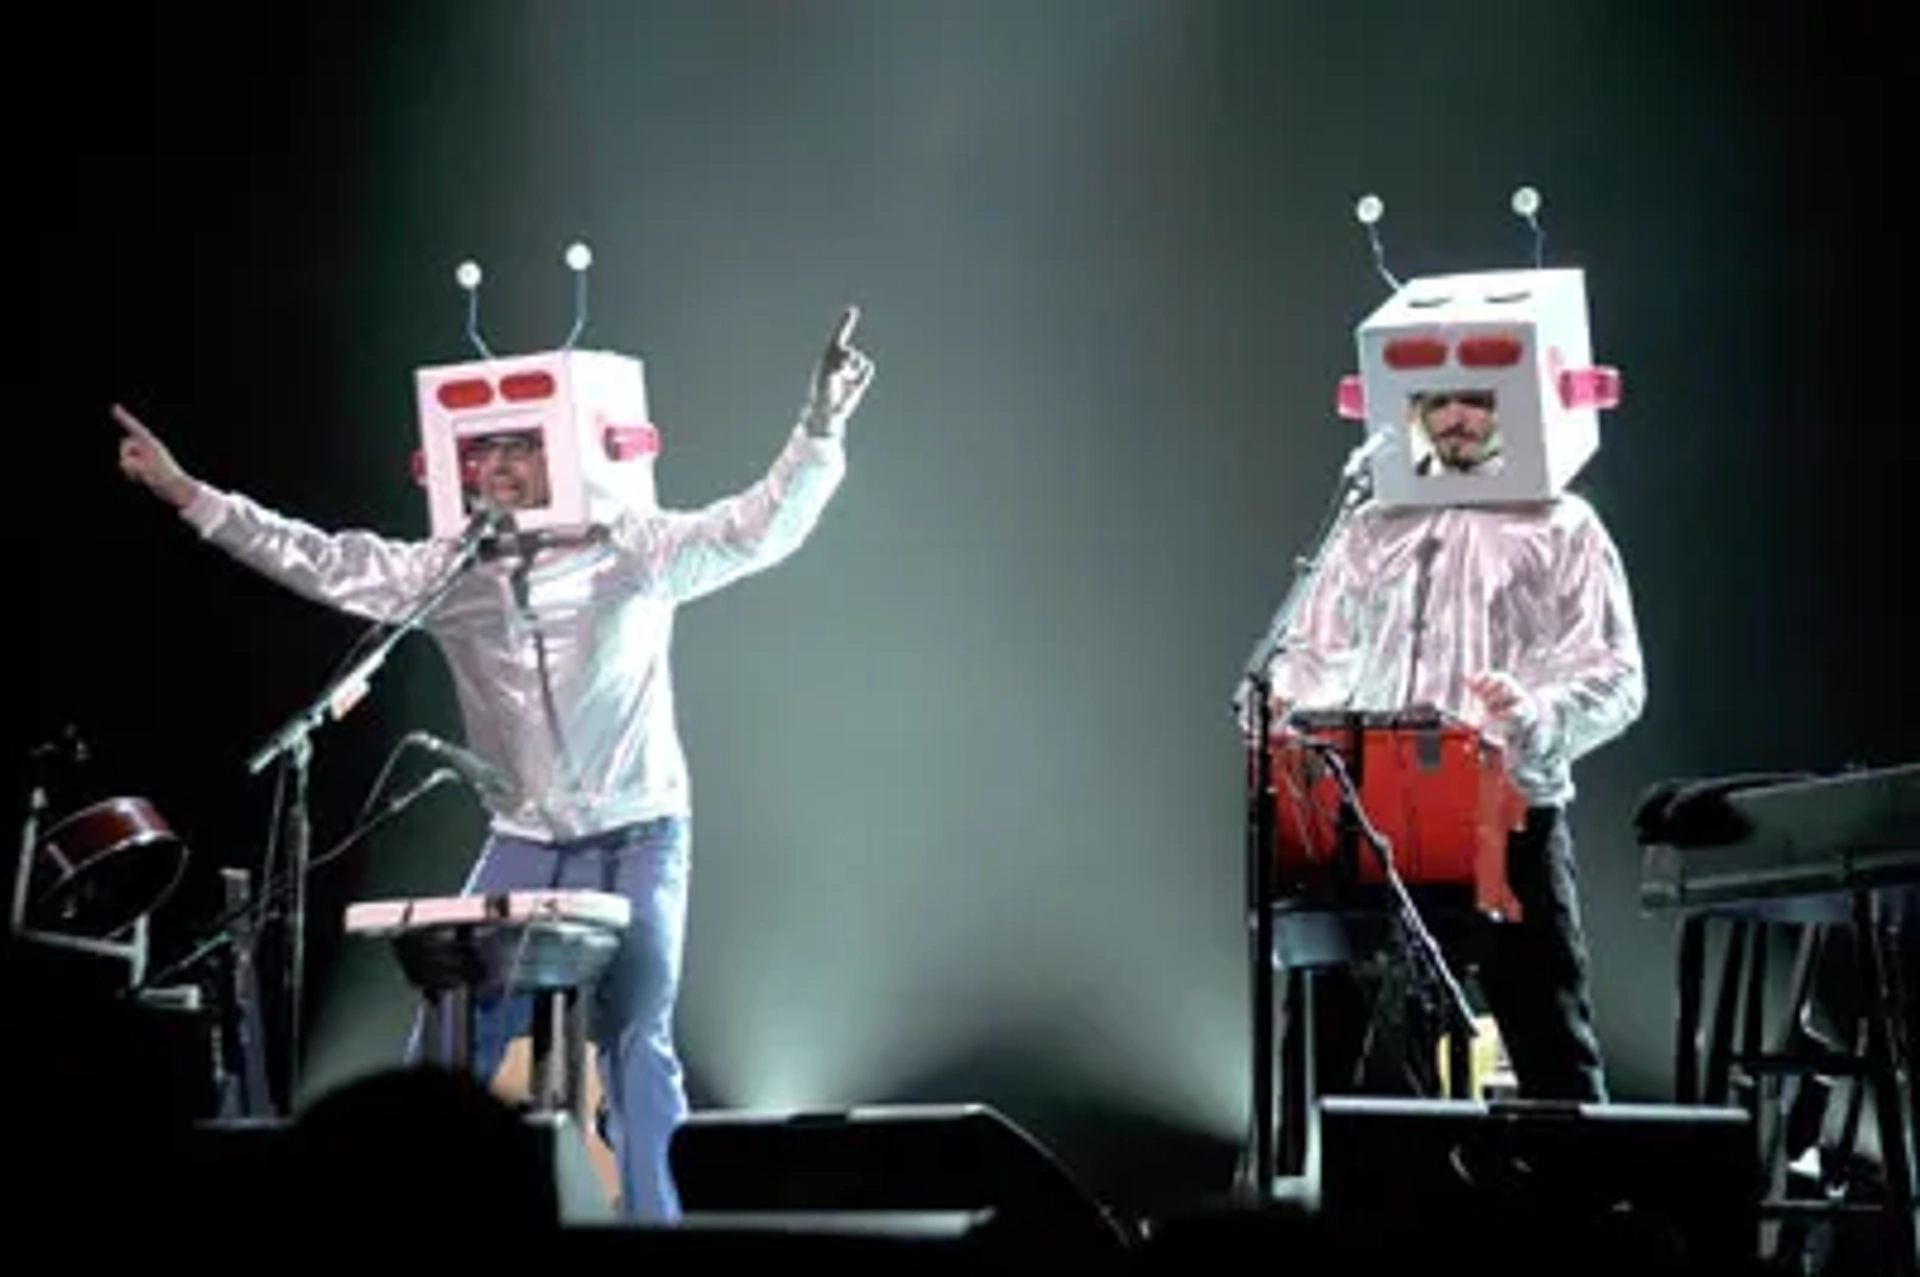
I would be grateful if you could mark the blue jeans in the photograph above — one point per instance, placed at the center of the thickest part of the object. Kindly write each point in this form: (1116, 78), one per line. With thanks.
(630, 1020)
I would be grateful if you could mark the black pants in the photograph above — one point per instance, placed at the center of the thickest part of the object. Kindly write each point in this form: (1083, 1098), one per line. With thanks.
(1532, 975)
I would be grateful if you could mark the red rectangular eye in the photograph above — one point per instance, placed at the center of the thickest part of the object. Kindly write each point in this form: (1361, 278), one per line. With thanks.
(464, 394)
(1415, 352)
(525, 387)
(1491, 351)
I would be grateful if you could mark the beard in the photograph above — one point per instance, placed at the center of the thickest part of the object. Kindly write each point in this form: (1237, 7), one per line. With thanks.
(1460, 451)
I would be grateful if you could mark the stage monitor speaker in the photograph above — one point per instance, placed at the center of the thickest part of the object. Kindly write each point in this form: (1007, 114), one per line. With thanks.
(1639, 1189)
(889, 1160)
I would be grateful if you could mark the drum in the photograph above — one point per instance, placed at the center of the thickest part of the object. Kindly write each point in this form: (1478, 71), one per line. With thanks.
(1436, 790)
(101, 868)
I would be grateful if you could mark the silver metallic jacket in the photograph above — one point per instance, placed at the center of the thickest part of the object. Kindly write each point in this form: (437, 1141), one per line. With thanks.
(1409, 603)
(560, 661)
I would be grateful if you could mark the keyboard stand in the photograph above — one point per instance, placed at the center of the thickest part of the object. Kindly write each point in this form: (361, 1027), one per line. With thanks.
(551, 945)
(1805, 1082)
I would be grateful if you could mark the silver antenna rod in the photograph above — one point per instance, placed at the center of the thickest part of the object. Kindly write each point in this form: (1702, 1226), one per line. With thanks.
(468, 277)
(579, 258)
(1526, 203)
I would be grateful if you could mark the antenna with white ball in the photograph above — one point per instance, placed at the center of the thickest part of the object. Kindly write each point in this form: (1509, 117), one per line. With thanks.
(1369, 211)
(579, 257)
(1526, 203)
(468, 277)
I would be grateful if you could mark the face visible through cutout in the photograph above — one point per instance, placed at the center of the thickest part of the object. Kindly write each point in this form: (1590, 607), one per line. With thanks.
(506, 467)
(1459, 430)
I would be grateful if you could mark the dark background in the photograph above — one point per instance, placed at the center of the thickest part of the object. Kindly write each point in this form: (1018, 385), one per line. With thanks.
(969, 816)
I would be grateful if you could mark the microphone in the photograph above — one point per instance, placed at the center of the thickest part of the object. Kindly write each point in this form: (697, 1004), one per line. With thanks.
(1367, 450)
(490, 532)
(489, 518)
(437, 777)
(476, 771)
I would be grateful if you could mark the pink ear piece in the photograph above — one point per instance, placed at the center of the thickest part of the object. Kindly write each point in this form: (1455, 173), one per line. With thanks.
(1597, 387)
(1351, 400)
(624, 443)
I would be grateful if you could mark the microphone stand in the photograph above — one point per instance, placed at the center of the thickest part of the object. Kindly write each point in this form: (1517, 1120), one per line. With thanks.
(23, 868)
(221, 931)
(292, 744)
(1255, 698)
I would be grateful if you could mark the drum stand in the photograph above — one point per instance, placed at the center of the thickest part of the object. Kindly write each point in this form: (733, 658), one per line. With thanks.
(87, 947)
(234, 931)
(132, 952)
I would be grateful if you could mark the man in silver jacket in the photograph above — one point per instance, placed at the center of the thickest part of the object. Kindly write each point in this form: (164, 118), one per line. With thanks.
(560, 664)
(1514, 617)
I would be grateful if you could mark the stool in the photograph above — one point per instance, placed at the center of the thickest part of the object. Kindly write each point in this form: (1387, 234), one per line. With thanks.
(551, 945)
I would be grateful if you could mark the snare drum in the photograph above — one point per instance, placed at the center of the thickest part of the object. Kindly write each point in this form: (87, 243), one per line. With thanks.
(101, 868)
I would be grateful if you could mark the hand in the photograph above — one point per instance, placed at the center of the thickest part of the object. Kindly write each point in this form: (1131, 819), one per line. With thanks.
(839, 380)
(1277, 710)
(1505, 701)
(144, 459)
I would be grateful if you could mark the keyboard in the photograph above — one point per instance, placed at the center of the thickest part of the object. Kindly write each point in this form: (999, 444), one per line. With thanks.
(1814, 836)
(512, 908)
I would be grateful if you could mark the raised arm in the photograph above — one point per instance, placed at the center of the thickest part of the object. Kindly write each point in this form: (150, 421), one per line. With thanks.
(693, 553)
(357, 572)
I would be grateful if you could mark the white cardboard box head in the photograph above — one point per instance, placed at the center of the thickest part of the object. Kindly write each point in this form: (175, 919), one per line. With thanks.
(562, 439)
(1515, 339)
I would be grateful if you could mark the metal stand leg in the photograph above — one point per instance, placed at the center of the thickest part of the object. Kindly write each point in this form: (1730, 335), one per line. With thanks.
(448, 1012)
(1261, 990)
(1692, 975)
(558, 1073)
(1291, 1032)
(1892, 1109)
(540, 1080)
(457, 1007)
(1718, 1087)
(575, 1021)
(1300, 1092)
(433, 1028)
(1459, 1067)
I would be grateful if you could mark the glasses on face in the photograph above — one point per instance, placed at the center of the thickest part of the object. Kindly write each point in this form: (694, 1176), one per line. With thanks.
(1481, 399)
(513, 447)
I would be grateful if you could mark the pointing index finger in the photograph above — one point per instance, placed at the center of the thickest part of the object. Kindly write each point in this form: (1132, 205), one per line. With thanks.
(847, 323)
(131, 422)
